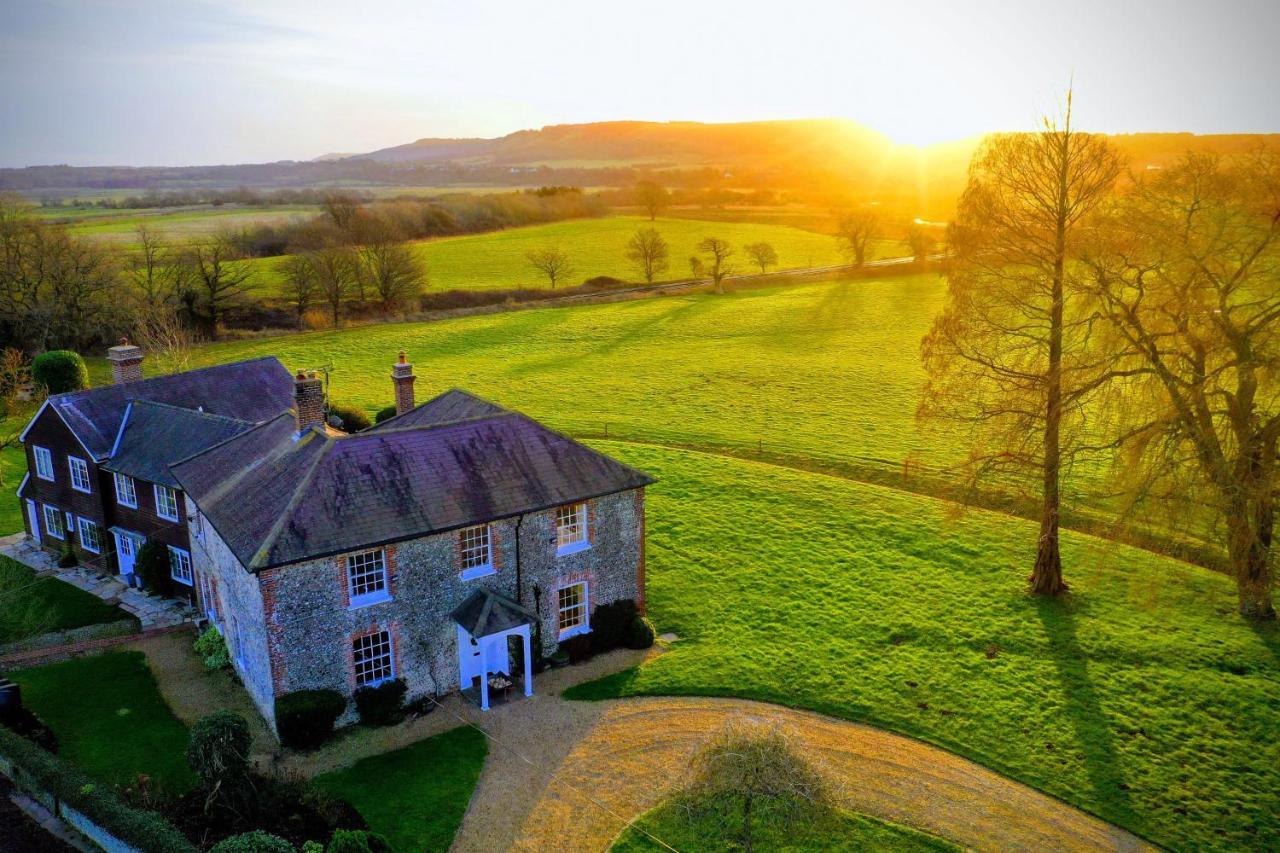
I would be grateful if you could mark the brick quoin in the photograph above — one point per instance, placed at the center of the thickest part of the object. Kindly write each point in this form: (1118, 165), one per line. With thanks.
(343, 583)
(591, 522)
(267, 582)
(640, 565)
(393, 569)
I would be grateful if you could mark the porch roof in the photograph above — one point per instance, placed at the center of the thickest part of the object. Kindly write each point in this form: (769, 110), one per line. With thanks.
(485, 613)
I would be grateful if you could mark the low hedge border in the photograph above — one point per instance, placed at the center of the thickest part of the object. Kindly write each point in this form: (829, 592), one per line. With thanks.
(45, 777)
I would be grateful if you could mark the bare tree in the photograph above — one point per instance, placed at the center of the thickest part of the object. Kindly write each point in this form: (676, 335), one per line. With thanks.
(652, 197)
(551, 261)
(921, 242)
(342, 211)
(751, 766)
(219, 276)
(336, 269)
(168, 342)
(394, 273)
(301, 284)
(1186, 270)
(856, 229)
(649, 252)
(15, 376)
(717, 253)
(762, 255)
(1006, 359)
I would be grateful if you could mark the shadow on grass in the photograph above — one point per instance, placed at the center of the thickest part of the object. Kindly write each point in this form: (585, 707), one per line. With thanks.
(1094, 736)
(613, 686)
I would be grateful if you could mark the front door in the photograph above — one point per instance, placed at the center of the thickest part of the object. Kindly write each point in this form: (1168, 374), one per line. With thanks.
(126, 552)
(35, 521)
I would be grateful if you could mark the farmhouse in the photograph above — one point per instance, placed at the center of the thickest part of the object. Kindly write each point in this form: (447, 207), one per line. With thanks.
(449, 544)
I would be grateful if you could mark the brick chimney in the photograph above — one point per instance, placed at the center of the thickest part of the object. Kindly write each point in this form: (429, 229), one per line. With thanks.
(308, 395)
(126, 362)
(402, 377)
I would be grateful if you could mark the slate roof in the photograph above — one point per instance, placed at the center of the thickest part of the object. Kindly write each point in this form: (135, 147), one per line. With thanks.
(277, 499)
(154, 434)
(453, 405)
(247, 390)
(484, 613)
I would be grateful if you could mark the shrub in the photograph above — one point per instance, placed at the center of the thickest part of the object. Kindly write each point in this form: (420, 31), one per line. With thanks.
(211, 646)
(352, 419)
(218, 749)
(152, 567)
(23, 721)
(357, 841)
(577, 648)
(256, 841)
(381, 705)
(610, 623)
(68, 557)
(305, 718)
(385, 413)
(60, 370)
(603, 282)
(640, 634)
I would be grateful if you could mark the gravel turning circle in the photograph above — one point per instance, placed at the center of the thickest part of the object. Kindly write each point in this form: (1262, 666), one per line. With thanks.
(619, 758)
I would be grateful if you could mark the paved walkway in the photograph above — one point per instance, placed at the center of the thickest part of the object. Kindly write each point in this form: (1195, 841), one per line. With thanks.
(152, 611)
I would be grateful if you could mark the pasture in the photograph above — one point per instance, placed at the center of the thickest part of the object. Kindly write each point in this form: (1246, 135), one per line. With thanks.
(174, 224)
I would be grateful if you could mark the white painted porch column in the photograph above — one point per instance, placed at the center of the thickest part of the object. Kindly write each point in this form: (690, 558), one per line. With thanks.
(484, 677)
(528, 662)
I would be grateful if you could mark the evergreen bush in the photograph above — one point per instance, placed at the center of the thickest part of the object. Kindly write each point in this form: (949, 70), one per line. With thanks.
(385, 413)
(351, 418)
(59, 371)
(211, 646)
(381, 705)
(305, 718)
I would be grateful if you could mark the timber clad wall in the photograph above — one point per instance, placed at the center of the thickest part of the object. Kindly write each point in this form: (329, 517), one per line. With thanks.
(145, 519)
(51, 433)
(309, 625)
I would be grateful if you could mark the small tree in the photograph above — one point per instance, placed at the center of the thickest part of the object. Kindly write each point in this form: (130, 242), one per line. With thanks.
(218, 276)
(551, 261)
(717, 253)
(60, 371)
(653, 198)
(648, 251)
(160, 332)
(762, 255)
(393, 272)
(301, 285)
(750, 765)
(336, 272)
(218, 753)
(856, 229)
(921, 242)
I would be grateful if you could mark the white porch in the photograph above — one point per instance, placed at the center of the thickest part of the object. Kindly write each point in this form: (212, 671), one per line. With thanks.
(487, 624)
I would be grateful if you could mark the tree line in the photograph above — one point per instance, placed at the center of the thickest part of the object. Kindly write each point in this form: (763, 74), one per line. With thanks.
(1098, 316)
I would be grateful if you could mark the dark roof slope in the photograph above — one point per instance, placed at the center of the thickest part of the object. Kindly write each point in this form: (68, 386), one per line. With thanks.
(153, 435)
(453, 405)
(276, 501)
(247, 390)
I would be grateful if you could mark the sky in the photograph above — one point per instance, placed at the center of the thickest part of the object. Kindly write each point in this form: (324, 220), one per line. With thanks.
(174, 82)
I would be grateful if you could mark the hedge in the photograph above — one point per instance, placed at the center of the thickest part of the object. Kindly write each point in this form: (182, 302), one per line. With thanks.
(145, 830)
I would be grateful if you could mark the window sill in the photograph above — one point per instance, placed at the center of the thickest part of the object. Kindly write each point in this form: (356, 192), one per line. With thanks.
(125, 505)
(572, 548)
(574, 632)
(182, 581)
(46, 479)
(369, 600)
(82, 491)
(478, 572)
(175, 519)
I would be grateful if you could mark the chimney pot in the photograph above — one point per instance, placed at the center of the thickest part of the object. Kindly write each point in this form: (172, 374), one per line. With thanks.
(126, 362)
(402, 378)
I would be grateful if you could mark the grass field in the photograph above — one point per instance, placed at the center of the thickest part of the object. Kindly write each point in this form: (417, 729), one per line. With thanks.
(597, 247)
(172, 224)
(847, 832)
(1142, 697)
(110, 718)
(416, 796)
(32, 606)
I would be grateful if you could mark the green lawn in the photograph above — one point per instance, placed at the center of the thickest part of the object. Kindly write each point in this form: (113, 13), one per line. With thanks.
(13, 465)
(848, 832)
(31, 607)
(110, 718)
(1142, 697)
(597, 247)
(415, 796)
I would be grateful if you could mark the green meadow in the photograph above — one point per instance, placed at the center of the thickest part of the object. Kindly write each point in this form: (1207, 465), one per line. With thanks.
(174, 224)
(597, 247)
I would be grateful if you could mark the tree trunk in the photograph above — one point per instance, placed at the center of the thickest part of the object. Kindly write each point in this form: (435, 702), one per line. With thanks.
(746, 823)
(1249, 534)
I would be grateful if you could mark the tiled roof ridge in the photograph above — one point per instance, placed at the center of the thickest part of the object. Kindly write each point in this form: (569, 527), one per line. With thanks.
(261, 555)
(143, 401)
(81, 393)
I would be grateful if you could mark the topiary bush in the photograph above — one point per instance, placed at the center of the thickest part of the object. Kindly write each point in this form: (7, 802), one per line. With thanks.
(211, 646)
(218, 749)
(256, 841)
(578, 648)
(385, 413)
(640, 633)
(152, 567)
(59, 371)
(357, 841)
(610, 623)
(305, 718)
(381, 705)
(351, 418)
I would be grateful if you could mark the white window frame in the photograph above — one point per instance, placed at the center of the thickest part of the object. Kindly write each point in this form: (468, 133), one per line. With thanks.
(125, 485)
(181, 555)
(477, 568)
(87, 488)
(374, 638)
(583, 627)
(50, 513)
(575, 536)
(44, 464)
(88, 523)
(208, 597)
(173, 496)
(367, 570)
